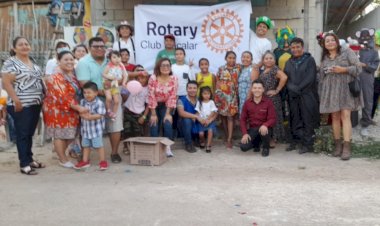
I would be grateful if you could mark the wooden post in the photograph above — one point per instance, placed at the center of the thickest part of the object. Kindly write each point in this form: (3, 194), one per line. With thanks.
(15, 15)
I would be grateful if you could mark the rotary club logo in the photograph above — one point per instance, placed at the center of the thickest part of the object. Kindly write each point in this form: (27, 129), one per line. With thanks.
(222, 30)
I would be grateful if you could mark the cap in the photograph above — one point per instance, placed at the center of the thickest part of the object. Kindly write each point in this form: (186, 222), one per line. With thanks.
(58, 41)
(266, 20)
(169, 36)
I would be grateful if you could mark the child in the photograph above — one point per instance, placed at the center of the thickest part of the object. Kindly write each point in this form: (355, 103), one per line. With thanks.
(205, 78)
(169, 51)
(92, 125)
(182, 71)
(136, 111)
(207, 110)
(113, 72)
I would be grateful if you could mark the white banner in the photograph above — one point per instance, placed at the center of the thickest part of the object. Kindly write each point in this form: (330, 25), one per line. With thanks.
(203, 31)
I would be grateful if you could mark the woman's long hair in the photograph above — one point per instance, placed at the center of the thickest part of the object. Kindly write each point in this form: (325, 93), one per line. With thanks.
(325, 52)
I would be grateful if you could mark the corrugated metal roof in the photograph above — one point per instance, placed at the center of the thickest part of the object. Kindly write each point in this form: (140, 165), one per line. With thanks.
(342, 10)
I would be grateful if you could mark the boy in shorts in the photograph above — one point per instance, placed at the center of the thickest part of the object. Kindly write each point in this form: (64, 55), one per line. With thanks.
(92, 126)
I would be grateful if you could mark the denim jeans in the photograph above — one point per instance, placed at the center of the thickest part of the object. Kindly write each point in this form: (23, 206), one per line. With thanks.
(155, 130)
(11, 127)
(25, 123)
(187, 125)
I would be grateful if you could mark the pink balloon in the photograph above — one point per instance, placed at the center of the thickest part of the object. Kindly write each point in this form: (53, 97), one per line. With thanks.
(134, 87)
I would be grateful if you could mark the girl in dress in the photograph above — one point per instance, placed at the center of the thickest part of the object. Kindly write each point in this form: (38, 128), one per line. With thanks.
(226, 94)
(207, 110)
(114, 72)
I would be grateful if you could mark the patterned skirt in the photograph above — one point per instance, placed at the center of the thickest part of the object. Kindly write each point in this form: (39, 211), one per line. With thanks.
(62, 133)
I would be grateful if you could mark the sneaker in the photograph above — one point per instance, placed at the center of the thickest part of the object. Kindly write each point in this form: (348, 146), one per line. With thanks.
(265, 152)
(112, 115)
(304, 149)
(169, 153)
(292, 147)
(364, 132)
(115, 158)
(190, 148)
(82, 165)
(67, 164)
(256, 149)
(103, 165)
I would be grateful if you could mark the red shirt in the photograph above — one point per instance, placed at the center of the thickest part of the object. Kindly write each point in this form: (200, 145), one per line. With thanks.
(256, 115)
(130, 67)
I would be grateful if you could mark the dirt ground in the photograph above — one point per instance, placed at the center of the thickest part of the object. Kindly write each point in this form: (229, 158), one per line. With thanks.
(221, 188)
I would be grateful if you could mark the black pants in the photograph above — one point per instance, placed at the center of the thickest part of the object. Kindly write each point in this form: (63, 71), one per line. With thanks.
(25, 123)
(376, 94)
(304, 118)
(256, 139)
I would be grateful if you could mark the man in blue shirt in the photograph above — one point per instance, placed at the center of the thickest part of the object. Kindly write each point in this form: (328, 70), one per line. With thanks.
(90, 68)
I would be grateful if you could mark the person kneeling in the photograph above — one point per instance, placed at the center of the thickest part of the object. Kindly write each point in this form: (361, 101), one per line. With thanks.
(259, 113)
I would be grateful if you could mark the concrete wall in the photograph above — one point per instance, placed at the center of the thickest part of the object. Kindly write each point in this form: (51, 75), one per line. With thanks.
(371, 20)
(305, 22)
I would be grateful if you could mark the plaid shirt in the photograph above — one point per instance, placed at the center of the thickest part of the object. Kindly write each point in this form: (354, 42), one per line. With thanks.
(93, 128)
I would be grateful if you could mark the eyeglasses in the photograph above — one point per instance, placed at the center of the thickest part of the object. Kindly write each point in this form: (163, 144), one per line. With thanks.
(98, 47)
(165, 65)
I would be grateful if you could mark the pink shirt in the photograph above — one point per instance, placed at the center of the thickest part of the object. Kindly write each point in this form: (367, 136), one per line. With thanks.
(136, 103)
(166, 93)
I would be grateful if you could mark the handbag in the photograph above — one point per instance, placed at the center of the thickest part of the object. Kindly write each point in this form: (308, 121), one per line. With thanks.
(354, 86)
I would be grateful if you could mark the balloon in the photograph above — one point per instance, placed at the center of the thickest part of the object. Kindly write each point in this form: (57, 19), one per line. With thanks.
(134, 87)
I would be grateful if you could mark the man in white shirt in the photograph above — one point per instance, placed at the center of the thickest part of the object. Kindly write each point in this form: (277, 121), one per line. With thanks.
(258, 43)
(125, 33)
(51, 65)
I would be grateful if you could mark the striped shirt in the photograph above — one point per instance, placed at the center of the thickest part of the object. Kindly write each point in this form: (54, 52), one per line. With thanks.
(28, 84)
(93, 128)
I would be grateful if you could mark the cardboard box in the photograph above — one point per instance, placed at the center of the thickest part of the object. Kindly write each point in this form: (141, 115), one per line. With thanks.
(148, 151)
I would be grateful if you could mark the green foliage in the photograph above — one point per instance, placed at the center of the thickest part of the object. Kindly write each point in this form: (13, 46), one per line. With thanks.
(371, 150)
(324, 142)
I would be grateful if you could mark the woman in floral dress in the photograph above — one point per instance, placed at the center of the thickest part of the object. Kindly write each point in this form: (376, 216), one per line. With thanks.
(61, 107)
(226, 94)
(274, 80)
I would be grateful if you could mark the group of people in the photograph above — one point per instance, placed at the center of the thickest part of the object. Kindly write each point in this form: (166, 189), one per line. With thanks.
(84, 94)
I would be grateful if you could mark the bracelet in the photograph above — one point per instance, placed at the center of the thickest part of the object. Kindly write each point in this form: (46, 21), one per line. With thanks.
(143, 116)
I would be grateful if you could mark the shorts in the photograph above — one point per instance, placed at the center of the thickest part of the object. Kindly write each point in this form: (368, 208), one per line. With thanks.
(96, 142)
(115, 90)
(117, 125)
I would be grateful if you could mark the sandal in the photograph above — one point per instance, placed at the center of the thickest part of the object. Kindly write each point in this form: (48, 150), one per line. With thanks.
(36, 165)
(202, 145)
(27, 170)
(208, 149)
(229, 144)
